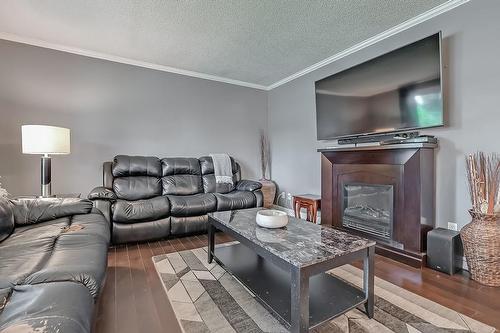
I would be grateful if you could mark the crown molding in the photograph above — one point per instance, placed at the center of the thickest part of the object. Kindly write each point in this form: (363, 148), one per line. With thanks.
(438, 10)
(138, 63)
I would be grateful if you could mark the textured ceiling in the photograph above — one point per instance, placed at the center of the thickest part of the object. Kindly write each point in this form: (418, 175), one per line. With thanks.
(255, 41)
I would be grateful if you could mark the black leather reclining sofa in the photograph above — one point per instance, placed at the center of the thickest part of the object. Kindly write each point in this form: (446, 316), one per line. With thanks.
(53, 257)
(148, 198)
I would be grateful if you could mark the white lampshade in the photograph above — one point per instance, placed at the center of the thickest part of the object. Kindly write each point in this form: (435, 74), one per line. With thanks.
(41, 139)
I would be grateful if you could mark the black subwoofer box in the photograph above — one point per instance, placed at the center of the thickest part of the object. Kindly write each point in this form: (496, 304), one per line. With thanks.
(444, 250)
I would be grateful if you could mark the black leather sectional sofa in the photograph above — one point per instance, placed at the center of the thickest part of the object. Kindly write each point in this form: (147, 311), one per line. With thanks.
(147, 198)
(53, 258)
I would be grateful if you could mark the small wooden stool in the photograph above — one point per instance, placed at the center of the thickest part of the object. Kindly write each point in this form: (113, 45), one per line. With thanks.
(310, 202)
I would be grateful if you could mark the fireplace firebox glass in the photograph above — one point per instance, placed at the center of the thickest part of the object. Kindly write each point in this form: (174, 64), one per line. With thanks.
(369, 208)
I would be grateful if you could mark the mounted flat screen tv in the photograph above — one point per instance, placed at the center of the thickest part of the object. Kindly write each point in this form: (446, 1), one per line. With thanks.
(398, 91)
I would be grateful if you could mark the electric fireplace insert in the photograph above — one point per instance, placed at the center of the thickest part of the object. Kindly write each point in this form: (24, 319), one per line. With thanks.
(369, 208)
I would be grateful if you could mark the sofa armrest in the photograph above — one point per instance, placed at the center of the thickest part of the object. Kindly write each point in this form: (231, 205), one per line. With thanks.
(102, 193)
(104, 206)
(248, 185)
(260, 198)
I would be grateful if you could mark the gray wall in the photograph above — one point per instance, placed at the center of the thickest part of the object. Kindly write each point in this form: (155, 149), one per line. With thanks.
(115, 109)
(471, 51)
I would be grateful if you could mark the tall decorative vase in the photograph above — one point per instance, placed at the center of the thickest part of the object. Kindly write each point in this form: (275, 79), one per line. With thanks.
(481, 240)
(268, 191)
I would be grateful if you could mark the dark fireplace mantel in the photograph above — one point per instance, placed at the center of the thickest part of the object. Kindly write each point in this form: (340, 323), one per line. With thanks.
(406, 171)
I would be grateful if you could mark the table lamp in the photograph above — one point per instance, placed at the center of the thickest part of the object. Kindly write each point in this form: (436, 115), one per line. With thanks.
(45, 140)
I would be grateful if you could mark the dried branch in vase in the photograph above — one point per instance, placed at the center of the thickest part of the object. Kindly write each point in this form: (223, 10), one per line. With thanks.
(483, 174)
(3, 192)
(264, 155)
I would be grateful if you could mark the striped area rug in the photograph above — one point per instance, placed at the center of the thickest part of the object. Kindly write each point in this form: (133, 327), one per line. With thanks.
(206, 298)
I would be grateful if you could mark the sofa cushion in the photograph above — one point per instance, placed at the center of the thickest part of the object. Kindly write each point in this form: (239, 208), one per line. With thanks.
(135, 188)
(77, 258)
(66, 249)
(235, 200)
(136, 232)
(48, 307)
(26, 249)
(140, 210)
(6, 219)
(36, 232)
(180, 166)
(189, 224)
(125, 166)
(92, 224)
(192, 205)
(181, 176)
(182, 185)
(20, 260)
(29, 211)
(210, 186)
(136, 177)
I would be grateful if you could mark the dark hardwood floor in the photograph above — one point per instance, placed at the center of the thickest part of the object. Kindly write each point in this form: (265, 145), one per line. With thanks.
(133, 299)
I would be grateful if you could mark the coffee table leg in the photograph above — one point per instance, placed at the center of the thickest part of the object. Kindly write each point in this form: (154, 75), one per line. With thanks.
(300, 302)
(368, 280)
(211, 242)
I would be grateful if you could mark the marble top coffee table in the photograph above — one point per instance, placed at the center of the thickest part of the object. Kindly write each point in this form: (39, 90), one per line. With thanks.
(285, 268)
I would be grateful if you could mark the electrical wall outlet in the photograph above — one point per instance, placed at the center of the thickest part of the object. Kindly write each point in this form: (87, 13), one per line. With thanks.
(452, 226)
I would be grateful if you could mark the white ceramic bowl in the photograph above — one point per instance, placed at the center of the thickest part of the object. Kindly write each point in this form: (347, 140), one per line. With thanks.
(271, 218)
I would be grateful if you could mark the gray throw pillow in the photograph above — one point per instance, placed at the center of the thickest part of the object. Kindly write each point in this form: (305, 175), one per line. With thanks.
(6, 219)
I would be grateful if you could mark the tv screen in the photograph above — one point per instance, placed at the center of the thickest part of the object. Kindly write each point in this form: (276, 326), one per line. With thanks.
(398, 91)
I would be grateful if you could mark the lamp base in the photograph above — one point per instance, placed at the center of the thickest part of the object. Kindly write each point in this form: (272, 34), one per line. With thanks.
(46, 179)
